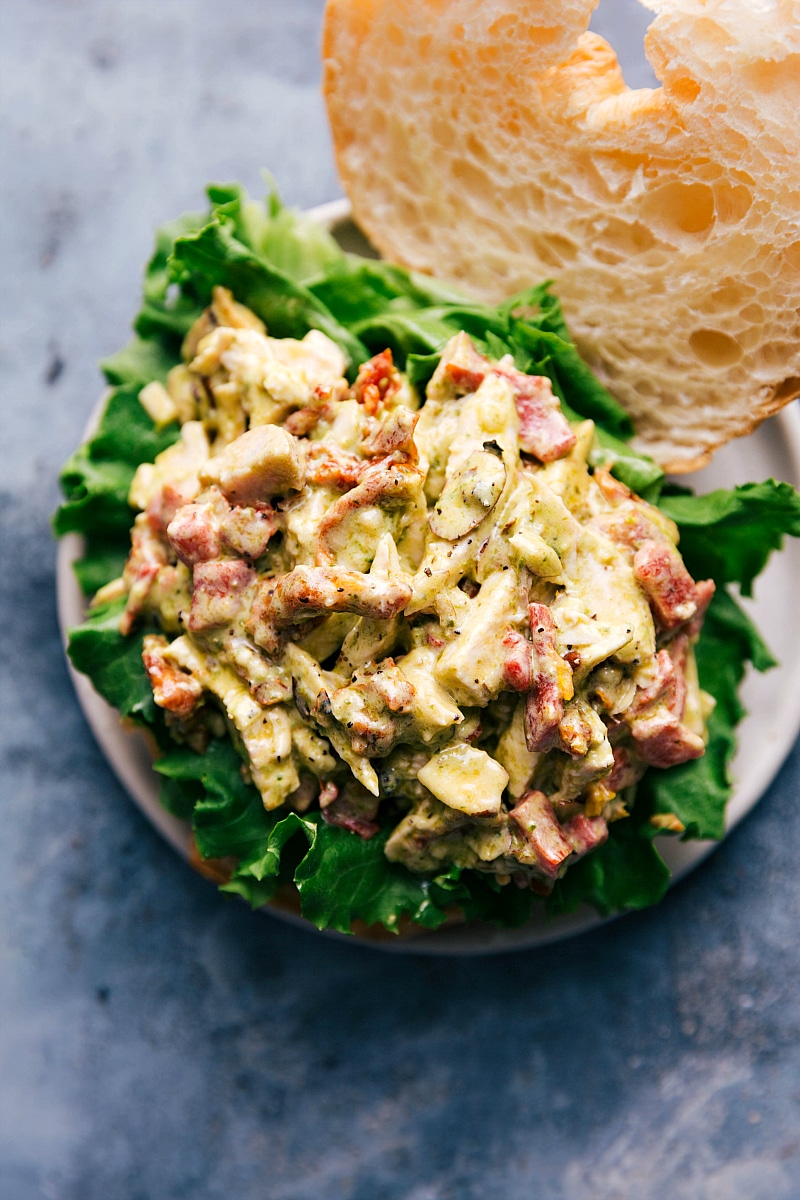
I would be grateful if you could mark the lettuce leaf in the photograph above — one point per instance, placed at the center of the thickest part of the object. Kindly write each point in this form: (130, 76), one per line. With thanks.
(113, 662)
(95, 480)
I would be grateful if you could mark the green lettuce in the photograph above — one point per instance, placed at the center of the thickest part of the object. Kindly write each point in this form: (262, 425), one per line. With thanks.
(295, 276)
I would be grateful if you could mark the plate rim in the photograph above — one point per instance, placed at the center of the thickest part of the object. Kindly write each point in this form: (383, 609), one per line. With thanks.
(128, 754)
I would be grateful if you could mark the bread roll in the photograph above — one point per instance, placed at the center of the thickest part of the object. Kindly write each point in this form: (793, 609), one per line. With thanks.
(495, 144)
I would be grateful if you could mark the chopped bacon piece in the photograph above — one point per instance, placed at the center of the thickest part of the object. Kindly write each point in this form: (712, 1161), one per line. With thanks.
(313, 591)
(551, 684)
(585, 833)
(165, 504)
(627, 770)
(654, 717)
(327, 466)
(544, 431)
(194, 534)
(387, 483)
(218, 593)
(518, 663)
(461, 368)
(546, 846)
(377, 379)
(611, 487)
(304, 795)
(353, 808)
(668, 688)
(200, 532)
(466, 379)
(659, 570)
(705, 593)
(663, 741)
(302, 421)
(172, 689)
(629, 525)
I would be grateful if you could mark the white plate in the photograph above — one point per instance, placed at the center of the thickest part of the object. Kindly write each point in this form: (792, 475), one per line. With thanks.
(773, 450)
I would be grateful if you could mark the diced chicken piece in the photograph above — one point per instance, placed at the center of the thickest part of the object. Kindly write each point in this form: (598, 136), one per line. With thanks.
(173, 689)
(219, 593)
(311, 685)
(466, 779)
(544, 844)
(471, 666)
(424, 838)
(170, 596)
(535, 553)
(389, 703)
(551, 683)
(544, 431)
(181, 389)
(513, 754)
(264, 733)
(432, 708)
(659, 569)
(311, 591)
(351, 807)
(369, 708)
(269, 683)
(602, 612)
(246, 531)
(264, 377)
(585, 833)
(262, 463)
(158, 404)
(581, 770)
(148, 555)
(178, 466)
(224, 312)
(369, 640)
(313, 750)
(487, 420)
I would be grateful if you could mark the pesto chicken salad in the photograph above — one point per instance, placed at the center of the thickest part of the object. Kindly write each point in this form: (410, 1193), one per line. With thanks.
(418, 634)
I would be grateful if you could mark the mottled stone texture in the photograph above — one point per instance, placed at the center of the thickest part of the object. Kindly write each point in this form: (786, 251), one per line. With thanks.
(162, 1042)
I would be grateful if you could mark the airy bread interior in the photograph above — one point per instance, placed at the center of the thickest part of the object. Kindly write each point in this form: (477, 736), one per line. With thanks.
(495, 143)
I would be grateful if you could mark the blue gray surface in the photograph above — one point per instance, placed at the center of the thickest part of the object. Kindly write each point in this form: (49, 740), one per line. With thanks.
(159, 1041)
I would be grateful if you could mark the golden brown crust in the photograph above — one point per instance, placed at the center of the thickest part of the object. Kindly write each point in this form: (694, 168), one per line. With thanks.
(495, 144)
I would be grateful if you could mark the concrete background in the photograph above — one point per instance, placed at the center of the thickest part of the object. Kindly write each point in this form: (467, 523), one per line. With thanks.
(159, 1041)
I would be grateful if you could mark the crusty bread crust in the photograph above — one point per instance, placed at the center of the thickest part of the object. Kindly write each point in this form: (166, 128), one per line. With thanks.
(494, 143)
